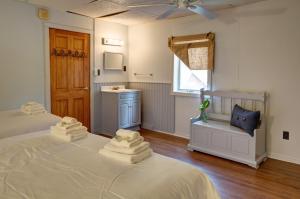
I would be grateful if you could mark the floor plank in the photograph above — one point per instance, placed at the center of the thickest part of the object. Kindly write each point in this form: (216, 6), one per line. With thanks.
(274, 179)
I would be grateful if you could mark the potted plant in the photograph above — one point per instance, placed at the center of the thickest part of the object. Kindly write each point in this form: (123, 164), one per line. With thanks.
(203, 114)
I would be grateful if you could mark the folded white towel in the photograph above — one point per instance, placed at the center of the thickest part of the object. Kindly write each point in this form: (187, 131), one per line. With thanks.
(36, 112)
(72, 131)
(70, 137)
(131, 159)
(124, 150)
(65, 126)
(127, 134)
(31, 103)
(68, 120)
(118, 141)
(33, 108)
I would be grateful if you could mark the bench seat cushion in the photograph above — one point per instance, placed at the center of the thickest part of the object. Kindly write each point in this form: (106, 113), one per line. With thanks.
(224, 126)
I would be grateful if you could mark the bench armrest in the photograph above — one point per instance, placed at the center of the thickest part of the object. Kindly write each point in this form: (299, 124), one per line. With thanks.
(195, 119)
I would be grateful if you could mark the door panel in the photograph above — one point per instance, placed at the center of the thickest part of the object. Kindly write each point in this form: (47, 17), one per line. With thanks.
(124, 116)
(61, 41)
(61, 107)
(70, 74)
(78, 73)
(78, 108)
(135, 112)
(62, 73)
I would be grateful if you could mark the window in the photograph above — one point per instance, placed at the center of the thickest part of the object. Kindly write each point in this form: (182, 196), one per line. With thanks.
(187, 80)
(193, 62)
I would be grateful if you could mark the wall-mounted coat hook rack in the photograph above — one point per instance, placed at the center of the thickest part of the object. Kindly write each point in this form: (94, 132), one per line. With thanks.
(62, 52)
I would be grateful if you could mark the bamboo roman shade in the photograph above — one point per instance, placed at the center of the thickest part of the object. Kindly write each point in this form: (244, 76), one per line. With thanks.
(195, 51)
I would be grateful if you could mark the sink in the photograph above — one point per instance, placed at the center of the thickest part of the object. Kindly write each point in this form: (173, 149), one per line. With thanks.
(117, 89)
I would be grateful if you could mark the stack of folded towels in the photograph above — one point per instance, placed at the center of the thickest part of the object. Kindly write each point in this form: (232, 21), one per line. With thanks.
(69, 129)
(127, 146)
(33, 108)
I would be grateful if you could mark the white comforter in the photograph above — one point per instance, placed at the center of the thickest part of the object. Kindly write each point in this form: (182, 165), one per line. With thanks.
(39, 166)
(14, 122)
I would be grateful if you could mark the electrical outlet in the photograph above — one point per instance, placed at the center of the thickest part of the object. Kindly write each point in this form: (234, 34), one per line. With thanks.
(285, 135)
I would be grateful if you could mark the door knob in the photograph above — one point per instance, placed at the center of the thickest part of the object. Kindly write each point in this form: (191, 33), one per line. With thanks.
(86, 88)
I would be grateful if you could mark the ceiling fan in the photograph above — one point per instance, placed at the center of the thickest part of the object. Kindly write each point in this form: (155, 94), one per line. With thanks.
(195, 6)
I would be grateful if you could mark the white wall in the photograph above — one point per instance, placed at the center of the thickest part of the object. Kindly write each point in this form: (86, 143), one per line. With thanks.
(257, 49)
(113, 31)
(22, 62)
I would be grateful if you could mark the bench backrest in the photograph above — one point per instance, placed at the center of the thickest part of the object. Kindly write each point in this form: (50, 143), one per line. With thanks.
(222, 103)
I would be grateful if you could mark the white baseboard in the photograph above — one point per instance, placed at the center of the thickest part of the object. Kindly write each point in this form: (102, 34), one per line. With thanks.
(173, 134)
(97, 131)
(285, 158)
(147, 126)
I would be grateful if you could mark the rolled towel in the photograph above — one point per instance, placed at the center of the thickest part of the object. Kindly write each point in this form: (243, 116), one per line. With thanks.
(68, 120)
(127, 134)
(70, 137)
(120, 142)
(124, 150)
(72, 131)
(130, 159)
(65, 126)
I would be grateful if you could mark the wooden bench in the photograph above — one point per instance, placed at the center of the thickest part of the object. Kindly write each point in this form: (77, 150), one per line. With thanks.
(217, 137)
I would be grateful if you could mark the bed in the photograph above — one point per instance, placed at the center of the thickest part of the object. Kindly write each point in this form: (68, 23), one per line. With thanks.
(15, 122)
(38, 165)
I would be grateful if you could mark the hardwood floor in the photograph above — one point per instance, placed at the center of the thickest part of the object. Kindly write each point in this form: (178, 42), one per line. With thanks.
(274, 178)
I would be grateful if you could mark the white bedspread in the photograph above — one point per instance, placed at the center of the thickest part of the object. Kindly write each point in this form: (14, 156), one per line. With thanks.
(14, 122)
(39, 166)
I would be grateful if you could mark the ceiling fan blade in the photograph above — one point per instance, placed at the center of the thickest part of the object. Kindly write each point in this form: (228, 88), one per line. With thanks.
(113, 14)
(75, 13)
(149, 5)
(167, 13)
(202, 11)
(92, 1)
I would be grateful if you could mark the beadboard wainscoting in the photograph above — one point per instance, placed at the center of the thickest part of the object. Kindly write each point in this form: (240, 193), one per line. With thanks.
(97, 103)
(158, 106)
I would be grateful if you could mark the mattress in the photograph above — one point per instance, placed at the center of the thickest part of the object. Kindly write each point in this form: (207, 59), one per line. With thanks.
(15, 122)
(38, 165)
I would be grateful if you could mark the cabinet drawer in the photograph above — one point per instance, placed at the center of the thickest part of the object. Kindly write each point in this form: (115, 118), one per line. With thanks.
(129, 96)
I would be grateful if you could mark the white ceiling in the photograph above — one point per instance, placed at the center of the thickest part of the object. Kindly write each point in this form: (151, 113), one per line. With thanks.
(134, 15)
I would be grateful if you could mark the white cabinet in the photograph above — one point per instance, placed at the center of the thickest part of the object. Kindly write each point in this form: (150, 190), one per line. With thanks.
(120, 110)
(130, 114)
(220, 139)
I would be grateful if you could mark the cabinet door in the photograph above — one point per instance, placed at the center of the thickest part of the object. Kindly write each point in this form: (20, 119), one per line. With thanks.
(124, 115)
(135, 113)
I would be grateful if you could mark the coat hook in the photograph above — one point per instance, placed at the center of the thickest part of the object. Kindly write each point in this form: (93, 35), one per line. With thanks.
(62, 53)
(76, 53)
(82, 54)
(54, 52)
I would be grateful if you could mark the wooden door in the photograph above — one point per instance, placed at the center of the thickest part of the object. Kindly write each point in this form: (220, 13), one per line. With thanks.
(70, 74)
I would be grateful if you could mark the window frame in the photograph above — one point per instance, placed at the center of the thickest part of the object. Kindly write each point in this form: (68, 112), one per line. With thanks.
(176, 81)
